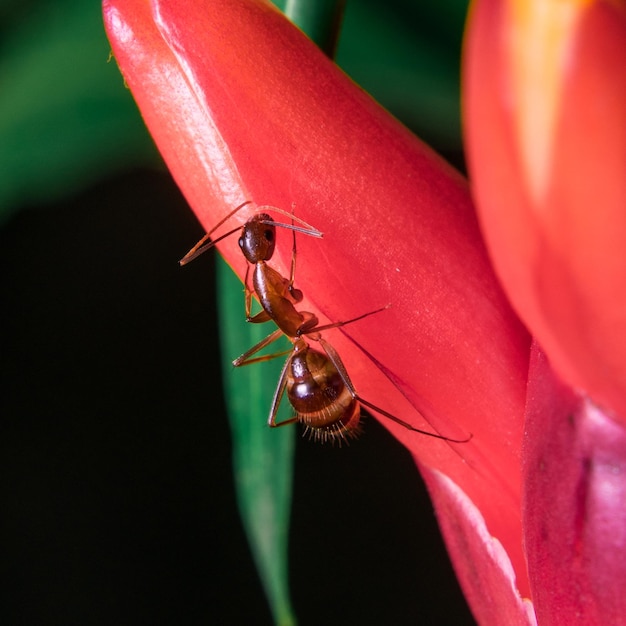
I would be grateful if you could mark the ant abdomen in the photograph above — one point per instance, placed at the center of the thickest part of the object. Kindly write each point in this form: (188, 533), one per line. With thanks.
(319, 396)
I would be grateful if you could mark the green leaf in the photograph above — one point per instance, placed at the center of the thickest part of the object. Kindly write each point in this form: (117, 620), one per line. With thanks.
(262, 456)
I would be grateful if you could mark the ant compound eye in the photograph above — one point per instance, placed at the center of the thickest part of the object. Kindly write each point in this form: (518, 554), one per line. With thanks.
(241, 242)
(269, 235)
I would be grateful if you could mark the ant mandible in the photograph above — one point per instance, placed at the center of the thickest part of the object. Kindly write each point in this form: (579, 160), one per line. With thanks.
(316, 383)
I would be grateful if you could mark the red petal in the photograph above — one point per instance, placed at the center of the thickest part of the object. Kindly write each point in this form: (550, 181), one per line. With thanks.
(574, 505)
(546, 128)
(243, 106)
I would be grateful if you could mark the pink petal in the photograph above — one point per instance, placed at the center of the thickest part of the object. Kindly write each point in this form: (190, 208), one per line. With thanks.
(574, 505)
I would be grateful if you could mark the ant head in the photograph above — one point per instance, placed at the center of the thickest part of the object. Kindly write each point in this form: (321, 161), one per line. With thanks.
(258, 238)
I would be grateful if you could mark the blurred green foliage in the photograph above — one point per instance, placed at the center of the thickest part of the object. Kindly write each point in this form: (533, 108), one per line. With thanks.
(66, 119)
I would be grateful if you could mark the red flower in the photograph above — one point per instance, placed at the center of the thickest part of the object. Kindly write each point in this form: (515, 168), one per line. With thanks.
(243, 107)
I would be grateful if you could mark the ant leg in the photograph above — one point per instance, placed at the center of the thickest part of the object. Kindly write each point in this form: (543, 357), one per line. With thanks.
(278, 396)
(261, 359)
(317, 329)
(245, 359)
(341, 368)
(296, 294)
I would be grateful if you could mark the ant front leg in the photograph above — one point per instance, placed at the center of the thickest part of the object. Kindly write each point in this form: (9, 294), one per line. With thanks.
(296, 294)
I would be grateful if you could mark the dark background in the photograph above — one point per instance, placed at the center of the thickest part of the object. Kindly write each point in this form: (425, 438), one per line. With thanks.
(115, 473)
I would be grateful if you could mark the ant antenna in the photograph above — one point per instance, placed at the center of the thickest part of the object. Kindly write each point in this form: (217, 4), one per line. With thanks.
(204, 244)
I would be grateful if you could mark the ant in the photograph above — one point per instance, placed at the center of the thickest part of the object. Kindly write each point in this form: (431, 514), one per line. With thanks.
(316, 382)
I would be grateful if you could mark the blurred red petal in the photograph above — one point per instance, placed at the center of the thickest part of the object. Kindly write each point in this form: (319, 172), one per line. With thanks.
(545, 95)
(482, 566)
(574, 505)
(243, 106)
